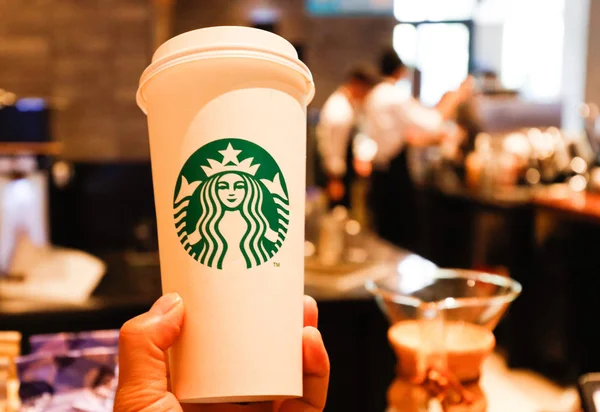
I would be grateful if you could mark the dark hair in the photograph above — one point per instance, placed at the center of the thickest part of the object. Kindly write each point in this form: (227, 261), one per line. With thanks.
(362, 76)
(390, 62)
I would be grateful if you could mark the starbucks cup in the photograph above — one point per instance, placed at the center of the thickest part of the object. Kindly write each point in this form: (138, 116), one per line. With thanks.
(226, 113)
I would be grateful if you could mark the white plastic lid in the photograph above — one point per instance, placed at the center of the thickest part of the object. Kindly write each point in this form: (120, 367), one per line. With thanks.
(225, 41)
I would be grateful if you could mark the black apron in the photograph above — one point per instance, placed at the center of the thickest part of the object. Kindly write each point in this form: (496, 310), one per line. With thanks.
(392, 199)
(348, 178)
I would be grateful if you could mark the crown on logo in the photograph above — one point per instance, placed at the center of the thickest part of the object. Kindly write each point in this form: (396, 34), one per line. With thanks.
(230, 163)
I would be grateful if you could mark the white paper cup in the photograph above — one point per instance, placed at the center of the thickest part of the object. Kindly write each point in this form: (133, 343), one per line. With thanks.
(226, 113)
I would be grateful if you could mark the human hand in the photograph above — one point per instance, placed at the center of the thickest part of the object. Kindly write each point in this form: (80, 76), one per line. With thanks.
(143, 375)
(416, 137)
(467, 88)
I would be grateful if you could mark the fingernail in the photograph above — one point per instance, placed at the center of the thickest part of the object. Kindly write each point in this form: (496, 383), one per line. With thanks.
(166, 303)
(316, 334)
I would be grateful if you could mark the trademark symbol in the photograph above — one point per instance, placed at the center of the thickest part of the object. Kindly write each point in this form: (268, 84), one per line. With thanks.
(276, 264)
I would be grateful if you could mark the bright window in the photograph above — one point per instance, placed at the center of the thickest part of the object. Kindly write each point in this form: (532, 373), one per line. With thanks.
(439, 50)
(443, 59)
(433, 10)
(532, 50)
(498, 11)
(406, 42)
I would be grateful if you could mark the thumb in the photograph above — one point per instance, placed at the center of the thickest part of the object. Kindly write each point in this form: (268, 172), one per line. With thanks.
(142, 359)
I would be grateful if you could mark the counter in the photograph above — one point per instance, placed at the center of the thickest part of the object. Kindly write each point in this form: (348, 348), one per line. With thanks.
(584, 206)
(354, 330)
(546, 242)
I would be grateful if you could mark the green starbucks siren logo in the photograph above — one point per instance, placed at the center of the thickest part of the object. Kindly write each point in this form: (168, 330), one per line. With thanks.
(231, 205)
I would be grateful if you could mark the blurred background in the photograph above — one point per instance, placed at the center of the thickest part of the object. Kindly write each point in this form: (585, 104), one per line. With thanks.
(515, 192)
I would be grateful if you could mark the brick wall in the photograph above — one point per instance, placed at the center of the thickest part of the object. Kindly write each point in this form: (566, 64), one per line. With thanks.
(87, 56)
(335, 45)
(332, 44)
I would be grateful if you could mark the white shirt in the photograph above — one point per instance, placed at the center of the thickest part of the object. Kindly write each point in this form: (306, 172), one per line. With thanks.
(389, 111)
(336, 121)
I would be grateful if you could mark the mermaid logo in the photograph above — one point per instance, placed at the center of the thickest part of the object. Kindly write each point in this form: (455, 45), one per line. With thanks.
(231, 205)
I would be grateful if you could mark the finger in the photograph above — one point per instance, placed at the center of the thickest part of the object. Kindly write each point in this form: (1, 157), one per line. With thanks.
(142, 345)
(311, 312)
(316, 375)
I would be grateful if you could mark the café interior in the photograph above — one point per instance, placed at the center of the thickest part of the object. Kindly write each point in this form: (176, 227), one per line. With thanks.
(499, 260)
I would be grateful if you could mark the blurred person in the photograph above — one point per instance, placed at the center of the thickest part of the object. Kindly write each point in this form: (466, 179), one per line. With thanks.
(143, 370)
(394, 120)
(460, 140)
(337, 124)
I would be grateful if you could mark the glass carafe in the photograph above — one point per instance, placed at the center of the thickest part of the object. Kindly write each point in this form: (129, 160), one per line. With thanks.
(442, 322)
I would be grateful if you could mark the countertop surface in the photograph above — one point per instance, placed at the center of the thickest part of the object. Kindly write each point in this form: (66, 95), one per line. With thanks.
(555, 198)
(353, 328)
(350, 322)
(123, 286)
(584, 205)
(132, 282)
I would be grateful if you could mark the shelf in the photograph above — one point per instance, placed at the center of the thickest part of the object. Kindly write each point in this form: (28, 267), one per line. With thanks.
(31, 148)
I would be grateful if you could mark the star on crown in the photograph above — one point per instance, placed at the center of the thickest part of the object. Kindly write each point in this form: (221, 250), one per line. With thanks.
(230, 163)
